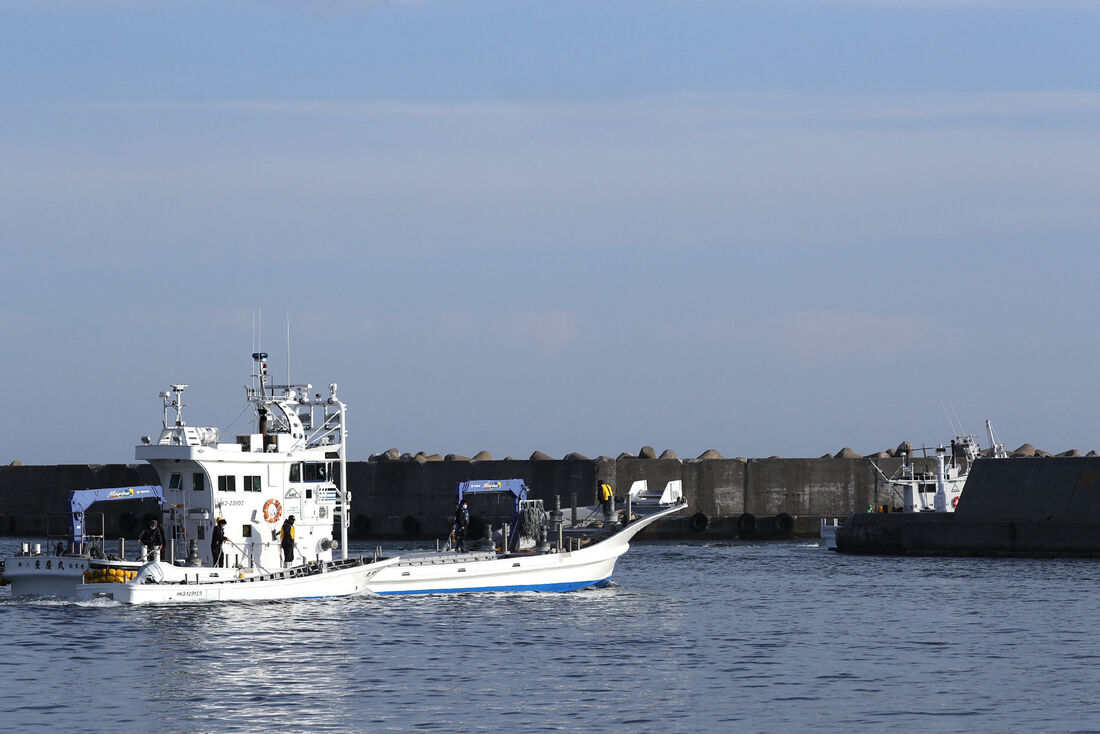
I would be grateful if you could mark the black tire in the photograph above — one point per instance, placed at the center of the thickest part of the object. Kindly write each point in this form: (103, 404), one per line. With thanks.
(700, 522)
(784, 523)
(746, 523)
(411, 526)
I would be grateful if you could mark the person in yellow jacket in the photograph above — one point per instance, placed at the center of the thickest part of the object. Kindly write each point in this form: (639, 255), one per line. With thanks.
(607, 498)
(287, 542)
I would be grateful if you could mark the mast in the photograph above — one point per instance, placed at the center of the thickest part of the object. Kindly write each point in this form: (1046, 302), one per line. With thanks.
(998, 449)
(344, 494)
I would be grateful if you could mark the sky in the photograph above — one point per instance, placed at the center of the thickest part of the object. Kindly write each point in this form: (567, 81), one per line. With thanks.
(775, 227)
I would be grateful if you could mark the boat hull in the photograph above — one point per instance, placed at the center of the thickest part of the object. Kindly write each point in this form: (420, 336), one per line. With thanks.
(56, 576)
(555, 572)
(281, 585)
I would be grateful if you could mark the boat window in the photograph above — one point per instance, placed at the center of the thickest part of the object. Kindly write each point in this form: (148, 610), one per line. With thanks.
(201, 533)
(197, 482)
(252, 483)
(295, 472)
(175, 481)
(227, 483)
(315, 471)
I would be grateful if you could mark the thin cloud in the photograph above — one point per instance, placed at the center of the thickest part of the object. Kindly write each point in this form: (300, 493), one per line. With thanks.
(549, 332)
(456, 323)
(747, 108)
(829, 336)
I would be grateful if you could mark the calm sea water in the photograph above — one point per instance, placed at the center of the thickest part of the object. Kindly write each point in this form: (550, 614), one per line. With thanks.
(692, 637)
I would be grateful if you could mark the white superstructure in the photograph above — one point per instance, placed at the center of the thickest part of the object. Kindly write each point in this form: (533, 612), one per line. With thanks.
(293, 464)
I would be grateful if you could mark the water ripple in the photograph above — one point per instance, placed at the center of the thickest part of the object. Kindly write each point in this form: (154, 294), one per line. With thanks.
(692, 637)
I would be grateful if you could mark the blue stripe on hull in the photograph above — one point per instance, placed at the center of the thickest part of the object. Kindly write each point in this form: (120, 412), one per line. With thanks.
(568, 586)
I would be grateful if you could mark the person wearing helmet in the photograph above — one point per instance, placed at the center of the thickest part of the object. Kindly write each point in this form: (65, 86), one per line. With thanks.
(287, 543)
(217, 538)
(152, 539)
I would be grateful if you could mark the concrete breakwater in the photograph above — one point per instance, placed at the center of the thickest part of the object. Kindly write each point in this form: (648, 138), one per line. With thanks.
(1042, 506)
(404, 497)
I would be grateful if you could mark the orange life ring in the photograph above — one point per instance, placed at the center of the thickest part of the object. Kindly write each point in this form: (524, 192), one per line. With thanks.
(273, 510)
(954, 501)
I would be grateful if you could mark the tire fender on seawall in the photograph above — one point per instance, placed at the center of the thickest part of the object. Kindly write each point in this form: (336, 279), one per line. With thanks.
(746, 523)
(784, 523)
(700, 521)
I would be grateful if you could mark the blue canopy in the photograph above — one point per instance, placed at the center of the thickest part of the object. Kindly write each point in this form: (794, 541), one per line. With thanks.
(81, 499)
(514, 487)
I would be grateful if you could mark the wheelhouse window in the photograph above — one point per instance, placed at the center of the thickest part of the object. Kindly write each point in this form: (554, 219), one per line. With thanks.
(252, 483)
(314, 471)
(175, 481)
(197, 482)
(227, 483)
(295, 472)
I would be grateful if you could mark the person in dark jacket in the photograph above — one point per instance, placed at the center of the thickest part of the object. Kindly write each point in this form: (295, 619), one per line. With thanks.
(287, 535)
(152, 538)
(216, 540)
(462, 521)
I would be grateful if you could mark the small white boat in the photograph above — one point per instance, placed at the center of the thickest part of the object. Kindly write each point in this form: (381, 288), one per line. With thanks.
(828, 533)
(911, 490)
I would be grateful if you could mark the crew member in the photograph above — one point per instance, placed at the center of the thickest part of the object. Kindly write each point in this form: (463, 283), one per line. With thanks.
(607, 498)
(287, 534)
(216, 540)
(152, 538)
(462, 521)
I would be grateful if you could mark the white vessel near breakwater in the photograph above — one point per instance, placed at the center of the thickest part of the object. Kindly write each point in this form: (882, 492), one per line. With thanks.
(911, 490)
(295, 465)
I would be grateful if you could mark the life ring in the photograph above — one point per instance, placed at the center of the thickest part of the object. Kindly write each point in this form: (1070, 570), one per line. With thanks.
(273, 511)
(954, 502)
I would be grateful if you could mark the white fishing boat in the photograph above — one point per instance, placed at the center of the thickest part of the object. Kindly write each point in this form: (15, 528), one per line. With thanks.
(910, 489)
(292, 469)
(564, 558)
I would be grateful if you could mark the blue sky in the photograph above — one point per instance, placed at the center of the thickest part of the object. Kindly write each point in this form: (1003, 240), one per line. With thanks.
(767, 228)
